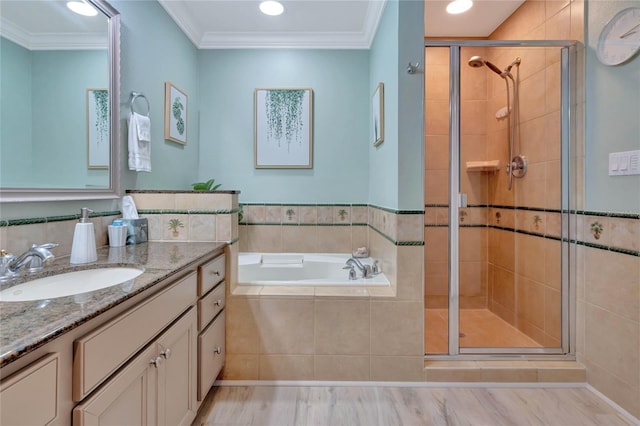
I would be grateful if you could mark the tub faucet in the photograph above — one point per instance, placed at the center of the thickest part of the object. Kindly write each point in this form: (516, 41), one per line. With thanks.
(366, 269)
(37, 256)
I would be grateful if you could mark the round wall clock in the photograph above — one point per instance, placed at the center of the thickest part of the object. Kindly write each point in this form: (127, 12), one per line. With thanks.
(620, 38)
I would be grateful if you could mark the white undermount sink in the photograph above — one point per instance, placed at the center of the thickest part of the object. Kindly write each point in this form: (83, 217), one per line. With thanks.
(69, 284)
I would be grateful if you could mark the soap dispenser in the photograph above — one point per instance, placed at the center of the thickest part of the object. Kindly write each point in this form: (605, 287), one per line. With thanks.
(83, 249)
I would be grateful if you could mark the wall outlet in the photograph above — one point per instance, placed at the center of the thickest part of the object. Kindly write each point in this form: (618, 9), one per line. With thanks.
(624, 163)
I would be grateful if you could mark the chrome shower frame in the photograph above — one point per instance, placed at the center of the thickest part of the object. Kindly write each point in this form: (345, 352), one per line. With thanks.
(566, 350)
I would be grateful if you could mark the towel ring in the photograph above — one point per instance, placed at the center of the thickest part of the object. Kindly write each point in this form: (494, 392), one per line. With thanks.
(136, 95)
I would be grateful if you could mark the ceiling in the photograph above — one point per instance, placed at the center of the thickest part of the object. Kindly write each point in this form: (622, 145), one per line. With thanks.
(228, 24)
(340, 24)
(49, 24)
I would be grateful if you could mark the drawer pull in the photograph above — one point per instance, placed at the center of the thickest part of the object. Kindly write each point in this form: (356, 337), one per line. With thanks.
(217, 350)
(156, 362)
(218, 302)
(216, 273)
(166, 353)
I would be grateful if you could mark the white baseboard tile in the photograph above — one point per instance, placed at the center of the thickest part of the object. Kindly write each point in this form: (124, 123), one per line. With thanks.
(317, 383)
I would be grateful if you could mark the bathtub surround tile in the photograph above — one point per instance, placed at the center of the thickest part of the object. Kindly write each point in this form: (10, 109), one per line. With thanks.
(154, 201)
(621, 296)
(254, 214)
(21, 237)
(290, 215)
(612, 342)
(409, 273)
(286, 326)
(241, 367)
(202, 227)
(334, 239)
(203, 201)
(359, 237)
(342, 214)
(404, 335)
(299, 239)
(286, 367)
(261, 238)
(273, 214)
(283, 290)
(325, 214)
(242, 326)
(410, 227)
(224, 231)
(332, 337)
(397, 368)
(308, 215)
(342, 292)
(342, 367)
(628, 397)
(359, 214)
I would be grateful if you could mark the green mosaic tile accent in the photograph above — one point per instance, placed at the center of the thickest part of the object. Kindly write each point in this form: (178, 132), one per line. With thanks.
(170, 211)
(52, 219)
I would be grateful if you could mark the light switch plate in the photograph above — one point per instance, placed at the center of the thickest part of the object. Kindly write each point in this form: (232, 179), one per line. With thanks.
(624, 163)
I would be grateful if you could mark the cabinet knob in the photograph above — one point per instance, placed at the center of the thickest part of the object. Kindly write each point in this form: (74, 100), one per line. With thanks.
(217, 350)
(166, 353)
(216, 273)
(218, 302)
(156, 362)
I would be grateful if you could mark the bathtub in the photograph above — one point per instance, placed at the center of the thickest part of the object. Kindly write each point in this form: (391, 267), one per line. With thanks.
(301, 269)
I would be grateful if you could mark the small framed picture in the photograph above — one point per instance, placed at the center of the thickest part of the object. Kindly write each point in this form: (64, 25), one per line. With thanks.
(98, 141)
(378, 115)
(175, 114)
(283, 128)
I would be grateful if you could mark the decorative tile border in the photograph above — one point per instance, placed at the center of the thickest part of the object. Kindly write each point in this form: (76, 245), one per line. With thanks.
(616, 232)
(51, 219)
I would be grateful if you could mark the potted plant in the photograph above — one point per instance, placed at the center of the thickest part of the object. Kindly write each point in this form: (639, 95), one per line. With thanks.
(205, 186)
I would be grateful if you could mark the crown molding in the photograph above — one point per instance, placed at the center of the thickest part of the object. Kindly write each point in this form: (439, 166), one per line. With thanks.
(266, 40)
(52, 41)
(182, 17)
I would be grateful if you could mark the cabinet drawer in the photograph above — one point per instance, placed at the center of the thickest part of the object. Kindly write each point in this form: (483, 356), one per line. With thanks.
(210, 305)
(30, 396)
(211, 355)
(101, 352)
(210, 274)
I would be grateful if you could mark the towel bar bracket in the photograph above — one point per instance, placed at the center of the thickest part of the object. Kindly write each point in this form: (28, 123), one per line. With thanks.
(136, 95)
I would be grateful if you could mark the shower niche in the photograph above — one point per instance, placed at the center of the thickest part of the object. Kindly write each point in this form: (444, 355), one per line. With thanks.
(498, 134)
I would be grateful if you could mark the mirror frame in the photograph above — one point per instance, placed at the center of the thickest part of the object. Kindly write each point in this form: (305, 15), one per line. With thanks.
(53, 194)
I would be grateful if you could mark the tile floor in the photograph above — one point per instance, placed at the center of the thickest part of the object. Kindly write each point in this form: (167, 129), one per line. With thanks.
(479, 327)
(406, 406)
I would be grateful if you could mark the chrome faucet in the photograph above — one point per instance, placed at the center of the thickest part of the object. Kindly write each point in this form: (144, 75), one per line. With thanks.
(366, 269)
(37, 256)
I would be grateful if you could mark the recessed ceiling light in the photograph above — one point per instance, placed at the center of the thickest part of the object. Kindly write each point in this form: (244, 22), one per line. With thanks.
(271, 8)
(82, 8)
(459, 6)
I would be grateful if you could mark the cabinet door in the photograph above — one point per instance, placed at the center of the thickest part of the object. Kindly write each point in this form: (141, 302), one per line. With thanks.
(129, 398)
(211, 345)
(30, 397)
(177, 379)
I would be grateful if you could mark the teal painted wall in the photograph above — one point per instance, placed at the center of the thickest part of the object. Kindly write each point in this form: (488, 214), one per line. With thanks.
(410, 106)
(44, 115)
(15, 83)
(383, 159)
(612, 118)
(341, 105)
(155, 50)
(60, 127)
(396, 166)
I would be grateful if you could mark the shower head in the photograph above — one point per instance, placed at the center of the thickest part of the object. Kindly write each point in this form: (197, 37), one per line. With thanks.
(478, 61)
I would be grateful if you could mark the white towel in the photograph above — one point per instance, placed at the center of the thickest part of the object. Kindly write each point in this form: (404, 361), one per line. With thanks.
(139, 143)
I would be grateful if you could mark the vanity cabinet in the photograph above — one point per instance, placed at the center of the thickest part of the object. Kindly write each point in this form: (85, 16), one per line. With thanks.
(157, 387)
(36, 382)
(211, 323)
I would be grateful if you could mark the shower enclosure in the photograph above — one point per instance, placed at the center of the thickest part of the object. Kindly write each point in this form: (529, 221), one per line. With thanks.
(497, 195)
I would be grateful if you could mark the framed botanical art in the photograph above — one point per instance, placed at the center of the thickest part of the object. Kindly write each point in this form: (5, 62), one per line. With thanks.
(378, 115)
(283, 128)
(175, 114)
(98, 140)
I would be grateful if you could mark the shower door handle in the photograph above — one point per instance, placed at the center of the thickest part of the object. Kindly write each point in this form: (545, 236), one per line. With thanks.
(462, 200)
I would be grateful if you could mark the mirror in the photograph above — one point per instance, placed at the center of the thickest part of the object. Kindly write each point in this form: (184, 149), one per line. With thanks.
(59, 78)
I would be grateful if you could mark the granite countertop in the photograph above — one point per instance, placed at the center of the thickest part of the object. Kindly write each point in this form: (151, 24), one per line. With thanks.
(25, 326)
